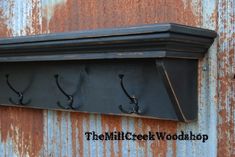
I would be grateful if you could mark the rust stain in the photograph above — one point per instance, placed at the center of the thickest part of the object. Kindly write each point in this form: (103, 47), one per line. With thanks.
(93, 14)
(36, 25)
(112, 124)
(226, 54)
(24, 127)
(159, 148)
(77, 124)
(226, 118)
(183, 12)
(226, 105)
(4, 30)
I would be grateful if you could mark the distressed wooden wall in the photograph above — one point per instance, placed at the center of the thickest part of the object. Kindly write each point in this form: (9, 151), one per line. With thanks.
(31, 132)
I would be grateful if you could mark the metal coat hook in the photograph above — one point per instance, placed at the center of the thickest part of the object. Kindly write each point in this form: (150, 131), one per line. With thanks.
(20, 94)
(69, 97)
(133, 99)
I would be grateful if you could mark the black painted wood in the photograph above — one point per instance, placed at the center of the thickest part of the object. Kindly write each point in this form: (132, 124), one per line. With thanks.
(148, 41)
(159, 64)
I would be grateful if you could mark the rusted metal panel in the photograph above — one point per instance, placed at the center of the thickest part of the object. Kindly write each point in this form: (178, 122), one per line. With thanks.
(226, 83)
(21, 132)
(30, 132)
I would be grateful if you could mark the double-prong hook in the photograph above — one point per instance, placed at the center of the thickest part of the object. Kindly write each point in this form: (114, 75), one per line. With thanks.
(20, 94)
(133, 99)
(69, 97)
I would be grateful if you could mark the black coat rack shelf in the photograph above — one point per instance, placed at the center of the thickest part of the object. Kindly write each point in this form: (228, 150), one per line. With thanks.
(148, 71)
